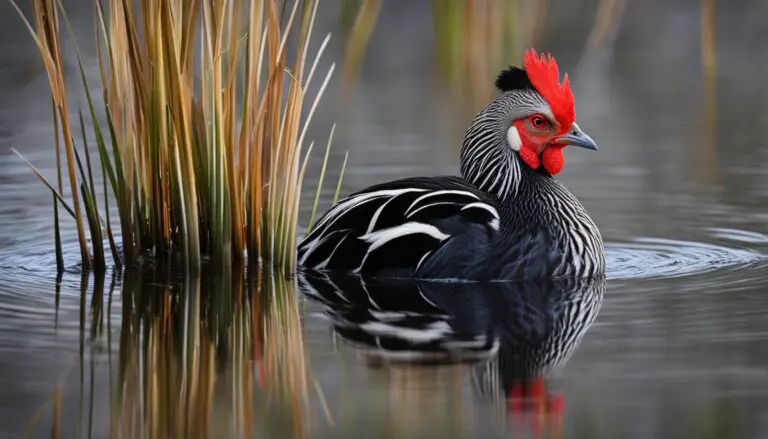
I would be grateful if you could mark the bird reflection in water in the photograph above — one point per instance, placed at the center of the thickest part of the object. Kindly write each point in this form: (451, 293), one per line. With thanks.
(513, 334)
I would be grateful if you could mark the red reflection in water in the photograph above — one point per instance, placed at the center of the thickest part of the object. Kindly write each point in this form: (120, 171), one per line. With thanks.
(529, 403)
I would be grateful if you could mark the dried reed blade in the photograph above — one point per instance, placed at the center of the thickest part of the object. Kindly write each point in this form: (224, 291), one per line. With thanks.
(46, 39)
(45, 182)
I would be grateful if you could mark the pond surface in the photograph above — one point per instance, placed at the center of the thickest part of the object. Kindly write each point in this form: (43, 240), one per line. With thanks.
(673, 344)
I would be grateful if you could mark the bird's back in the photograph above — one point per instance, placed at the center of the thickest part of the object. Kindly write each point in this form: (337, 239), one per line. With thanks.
(396, 228)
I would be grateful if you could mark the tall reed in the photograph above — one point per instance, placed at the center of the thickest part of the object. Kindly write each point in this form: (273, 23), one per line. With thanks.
(204, 144)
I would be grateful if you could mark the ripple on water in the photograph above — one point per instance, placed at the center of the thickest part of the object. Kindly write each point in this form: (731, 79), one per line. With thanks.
(745, 236)
(639, 258)
(655, 257)
(39, 256)
(36, 315)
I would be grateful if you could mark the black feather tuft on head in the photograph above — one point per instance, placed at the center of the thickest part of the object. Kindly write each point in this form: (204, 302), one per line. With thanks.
(513, 78)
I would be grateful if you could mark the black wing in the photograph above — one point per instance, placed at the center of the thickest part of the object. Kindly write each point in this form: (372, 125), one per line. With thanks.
(393, 228)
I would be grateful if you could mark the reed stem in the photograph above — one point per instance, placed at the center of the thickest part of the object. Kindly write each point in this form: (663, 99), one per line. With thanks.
(201, 149)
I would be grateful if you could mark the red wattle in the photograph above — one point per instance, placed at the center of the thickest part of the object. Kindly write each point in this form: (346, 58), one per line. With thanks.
(552, 159)
(529, 157)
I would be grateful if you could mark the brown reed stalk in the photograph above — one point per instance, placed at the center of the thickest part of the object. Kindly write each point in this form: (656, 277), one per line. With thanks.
(201, 149)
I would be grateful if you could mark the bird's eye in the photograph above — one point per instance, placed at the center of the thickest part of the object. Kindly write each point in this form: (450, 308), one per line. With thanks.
(538, 121)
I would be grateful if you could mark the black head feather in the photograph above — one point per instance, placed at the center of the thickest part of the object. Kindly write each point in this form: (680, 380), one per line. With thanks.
(513, 78)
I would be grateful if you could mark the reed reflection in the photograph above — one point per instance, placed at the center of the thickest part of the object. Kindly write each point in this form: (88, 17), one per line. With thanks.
(211, 357)
(221, 355)
(512, 335)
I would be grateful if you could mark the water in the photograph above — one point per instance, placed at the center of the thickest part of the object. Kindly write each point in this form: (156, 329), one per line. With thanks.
(677, 345)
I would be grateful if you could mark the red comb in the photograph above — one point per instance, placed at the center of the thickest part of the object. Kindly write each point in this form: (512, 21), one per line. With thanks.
(545, 77)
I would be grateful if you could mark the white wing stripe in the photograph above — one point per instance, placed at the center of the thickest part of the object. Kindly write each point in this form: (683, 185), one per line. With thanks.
(420, 261)
(325, 238)
(352, 202)
(430, 205)
(342, 209)
(313, 245)
(484, 206)
(324, 264)
(381, 237)
(315, 238)
(437, 193)
(376, 214)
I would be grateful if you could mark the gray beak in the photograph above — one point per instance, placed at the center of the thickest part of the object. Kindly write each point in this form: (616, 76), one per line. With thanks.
(577, 137)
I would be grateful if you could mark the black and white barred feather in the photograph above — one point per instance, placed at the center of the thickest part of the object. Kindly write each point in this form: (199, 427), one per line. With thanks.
(393, 228)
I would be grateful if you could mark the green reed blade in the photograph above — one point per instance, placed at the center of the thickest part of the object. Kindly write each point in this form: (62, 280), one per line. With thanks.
(94, 219)
(103, 155)
(80, 167)
(57, 236)
(91, 187)
(341, 177)
(304, 164)
(121, 191)
(92, 216)
(322, 177)
(94, 199)
(110, 235)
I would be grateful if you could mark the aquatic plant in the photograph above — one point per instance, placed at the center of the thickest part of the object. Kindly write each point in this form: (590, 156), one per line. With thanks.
(200, 128)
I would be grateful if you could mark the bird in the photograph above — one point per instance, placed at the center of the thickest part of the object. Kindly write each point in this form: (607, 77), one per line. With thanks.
(505, 217)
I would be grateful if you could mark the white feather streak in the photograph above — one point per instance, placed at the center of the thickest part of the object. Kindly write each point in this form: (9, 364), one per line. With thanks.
(350, 203)
(484, 206)
(381, 237)
(422, 260)
(316, 237)
(438, 193)
(440, 203)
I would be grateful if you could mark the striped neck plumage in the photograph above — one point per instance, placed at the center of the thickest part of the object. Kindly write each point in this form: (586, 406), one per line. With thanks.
(487, 155)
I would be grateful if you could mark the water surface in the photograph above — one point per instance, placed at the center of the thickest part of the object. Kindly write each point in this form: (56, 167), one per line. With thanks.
(678, 189)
